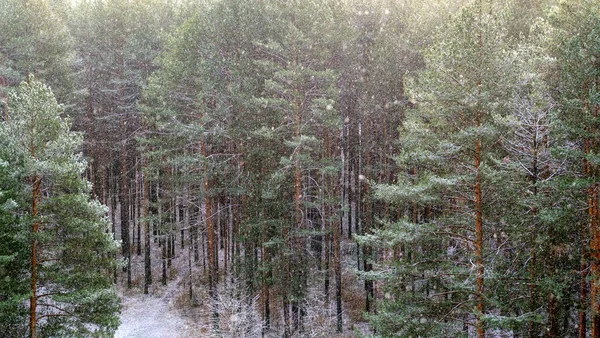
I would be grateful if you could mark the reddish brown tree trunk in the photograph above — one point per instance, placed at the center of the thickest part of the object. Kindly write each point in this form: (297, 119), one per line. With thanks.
(36, 194)
(479, 242)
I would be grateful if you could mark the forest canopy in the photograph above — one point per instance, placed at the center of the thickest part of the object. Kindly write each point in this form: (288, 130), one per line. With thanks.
(301, 168)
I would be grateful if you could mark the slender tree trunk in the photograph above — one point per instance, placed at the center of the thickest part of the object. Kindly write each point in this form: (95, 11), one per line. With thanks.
(195, 239)
(186, 225)
(191, 278)
(113, 199)
(212, 260)
(532, 327)
(337, 267)
(147, 248)
(594, 253)
(336, 230)
(328, 224)
(160, 228)
(298, 218)
(582, 292)
(594, 262)
(139, 196)
(36, 195)
(124, 200)
(338, 276)
(132, 209)
(265, 287)
(368, 265)
(479, 242)
(325, 245)
(168, 236)
(204, 245)
(163, 238)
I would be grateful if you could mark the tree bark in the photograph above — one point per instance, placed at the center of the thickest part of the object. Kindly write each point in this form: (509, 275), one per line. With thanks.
(593, 253)
(124, 200)
(139, 193)
(36, 195)
(367, 256)
(583, 292)
(338, 276)
(147, 248)
(212, 263)
(479, 242)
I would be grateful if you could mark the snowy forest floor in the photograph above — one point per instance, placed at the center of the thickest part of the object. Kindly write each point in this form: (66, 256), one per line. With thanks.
(154, 315)
(167, 311)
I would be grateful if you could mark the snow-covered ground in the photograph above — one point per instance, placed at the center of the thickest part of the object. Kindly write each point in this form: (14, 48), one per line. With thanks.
(145, 316)
(156, 315)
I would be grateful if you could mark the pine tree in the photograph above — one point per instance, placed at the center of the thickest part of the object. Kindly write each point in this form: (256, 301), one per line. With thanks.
(450, 170)
(540, 219)
(301, 94)
(576, 47)
(14, 256)
(35, 40)
(71, 291)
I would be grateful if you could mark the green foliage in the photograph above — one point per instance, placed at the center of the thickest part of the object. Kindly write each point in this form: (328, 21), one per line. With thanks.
(76, 251)
(239, 101)
(35, 39)
(14, 253)
(450, 141)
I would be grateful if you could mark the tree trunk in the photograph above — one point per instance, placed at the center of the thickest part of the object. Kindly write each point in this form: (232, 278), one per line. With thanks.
(113, 200)
(124, 200)
(147, 248)
(583, 292)
(36, 195)
(212, 260)
(532, 327)
(594, 261)
(367, 256)
(265, 287)
(594, 228)
(163, 238)
(479, 242)
(338, 276)
(139, 195)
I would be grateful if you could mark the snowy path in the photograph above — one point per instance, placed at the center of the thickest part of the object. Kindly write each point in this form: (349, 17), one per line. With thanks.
(150, 317)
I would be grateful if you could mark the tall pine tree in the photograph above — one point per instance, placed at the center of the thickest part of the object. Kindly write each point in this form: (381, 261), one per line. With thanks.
(70, 249)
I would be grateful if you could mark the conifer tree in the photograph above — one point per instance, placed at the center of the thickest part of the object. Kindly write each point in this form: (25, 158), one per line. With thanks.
(543, 213)
(450, 146)
(576, 47)
(301, 94)
(35, 40)
(14, 253)
(70, 249)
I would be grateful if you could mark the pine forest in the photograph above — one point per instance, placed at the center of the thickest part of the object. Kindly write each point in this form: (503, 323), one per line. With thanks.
(300, 168)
